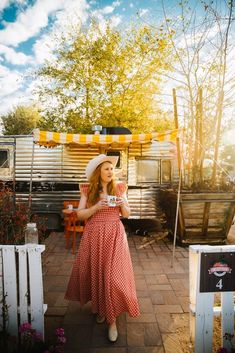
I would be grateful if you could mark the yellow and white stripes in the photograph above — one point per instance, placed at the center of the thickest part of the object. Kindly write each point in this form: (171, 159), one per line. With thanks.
(52, 139)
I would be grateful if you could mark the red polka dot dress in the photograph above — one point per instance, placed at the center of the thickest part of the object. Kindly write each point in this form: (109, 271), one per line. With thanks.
(102, 272)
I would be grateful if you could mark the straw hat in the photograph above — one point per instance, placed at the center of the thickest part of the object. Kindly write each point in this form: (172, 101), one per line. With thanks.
(95, 162)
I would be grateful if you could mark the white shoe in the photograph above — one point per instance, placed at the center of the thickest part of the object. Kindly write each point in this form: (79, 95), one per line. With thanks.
(113, 333)
(99, 319)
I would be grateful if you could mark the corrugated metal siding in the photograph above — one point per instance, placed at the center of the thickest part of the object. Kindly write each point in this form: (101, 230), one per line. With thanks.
(51, 165)
(74, 161)
(47, 163)
(144, 200)
(67, 165)
(59, 164)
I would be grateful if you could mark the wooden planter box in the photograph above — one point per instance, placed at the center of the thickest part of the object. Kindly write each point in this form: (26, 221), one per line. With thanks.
(204, 218)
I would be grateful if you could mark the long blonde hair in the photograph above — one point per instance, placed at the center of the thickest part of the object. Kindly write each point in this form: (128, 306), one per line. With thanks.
(95, 187)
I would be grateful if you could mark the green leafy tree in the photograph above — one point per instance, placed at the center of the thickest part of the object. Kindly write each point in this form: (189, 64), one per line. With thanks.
(104, 77)
(21, 121)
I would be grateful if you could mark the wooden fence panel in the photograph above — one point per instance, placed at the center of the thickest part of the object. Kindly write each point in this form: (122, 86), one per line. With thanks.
(21, 286)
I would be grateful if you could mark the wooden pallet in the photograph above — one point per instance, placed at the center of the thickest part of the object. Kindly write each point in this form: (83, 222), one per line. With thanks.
(203, 217)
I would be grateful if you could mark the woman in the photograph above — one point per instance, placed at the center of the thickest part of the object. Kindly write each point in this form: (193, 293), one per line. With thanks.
(102, 271)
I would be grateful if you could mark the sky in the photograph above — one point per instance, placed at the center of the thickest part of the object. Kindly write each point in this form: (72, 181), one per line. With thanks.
(27, 28)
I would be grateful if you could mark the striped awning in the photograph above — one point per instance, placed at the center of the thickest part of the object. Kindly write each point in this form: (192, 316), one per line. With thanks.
(52, 139)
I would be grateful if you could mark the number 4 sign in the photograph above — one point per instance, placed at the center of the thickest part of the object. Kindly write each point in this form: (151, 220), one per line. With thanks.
(217, 272)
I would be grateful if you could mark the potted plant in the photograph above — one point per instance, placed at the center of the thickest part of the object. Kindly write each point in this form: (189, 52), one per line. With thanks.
(14, 217)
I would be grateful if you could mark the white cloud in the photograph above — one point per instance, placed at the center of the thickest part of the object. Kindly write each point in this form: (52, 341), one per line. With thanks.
(67, 15)
(16, 91)
(43, 49)
(100, 14)
(74, 13)
(4, 4)
(116, 3)
(107, 10)
(143, 12)
(35, 18)
(13, 57)
(73, 16)
(8, 103)
(10, 81)
(115, 20)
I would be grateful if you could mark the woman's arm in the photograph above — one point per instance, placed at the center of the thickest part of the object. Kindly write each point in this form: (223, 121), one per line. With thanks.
(84, 213)
(124, 206)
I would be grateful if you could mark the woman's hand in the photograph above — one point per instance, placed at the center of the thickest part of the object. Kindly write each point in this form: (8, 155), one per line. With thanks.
(124, 207)
(67, 211)
(102, 203)
(120, 201)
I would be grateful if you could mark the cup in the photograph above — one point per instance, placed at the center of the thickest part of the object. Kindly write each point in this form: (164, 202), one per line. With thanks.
(111, 200)
(70, 207)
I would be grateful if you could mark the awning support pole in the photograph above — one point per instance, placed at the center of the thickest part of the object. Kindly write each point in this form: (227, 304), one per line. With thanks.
(176, 218)
(31, 179)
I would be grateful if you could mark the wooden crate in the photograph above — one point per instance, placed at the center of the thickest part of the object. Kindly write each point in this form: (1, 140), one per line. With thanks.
(203, 217)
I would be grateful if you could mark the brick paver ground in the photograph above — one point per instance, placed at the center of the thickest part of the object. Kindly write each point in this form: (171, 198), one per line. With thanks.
(163, 293)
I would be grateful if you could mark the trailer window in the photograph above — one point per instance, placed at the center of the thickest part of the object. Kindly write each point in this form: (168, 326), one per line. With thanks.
(4, 160)
(166, 171)
(147, 171)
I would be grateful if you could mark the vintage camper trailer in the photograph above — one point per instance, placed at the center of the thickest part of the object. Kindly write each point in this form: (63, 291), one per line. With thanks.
(49, 166)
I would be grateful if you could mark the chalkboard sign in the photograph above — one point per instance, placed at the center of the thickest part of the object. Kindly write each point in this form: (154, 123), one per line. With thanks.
(217, 272)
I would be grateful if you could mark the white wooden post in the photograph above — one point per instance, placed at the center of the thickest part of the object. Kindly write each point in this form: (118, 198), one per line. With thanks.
(227, 305)
(10, 287)
(23, 288)
(1, 289)
(201, 323)
(202, 308)
(36, 287)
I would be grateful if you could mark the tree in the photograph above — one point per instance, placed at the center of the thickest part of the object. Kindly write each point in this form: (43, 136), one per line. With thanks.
(107, 78)
(21, 121)
(201, 47)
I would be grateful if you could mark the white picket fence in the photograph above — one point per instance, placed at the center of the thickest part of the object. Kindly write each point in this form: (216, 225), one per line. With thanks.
(21, 286)
(202, 304)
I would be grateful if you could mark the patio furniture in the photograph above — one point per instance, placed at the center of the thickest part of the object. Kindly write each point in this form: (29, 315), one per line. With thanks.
(72, 225)
(21, 287)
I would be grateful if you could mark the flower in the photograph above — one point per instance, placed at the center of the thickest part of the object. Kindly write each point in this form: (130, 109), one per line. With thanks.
(62, 340)
(37, 336)
(222, 350)
(26, 326)
(59, 332)
(32, 341)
